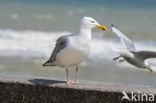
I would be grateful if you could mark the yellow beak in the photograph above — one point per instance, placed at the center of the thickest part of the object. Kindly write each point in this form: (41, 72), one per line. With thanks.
(150, 69)
(102, 27)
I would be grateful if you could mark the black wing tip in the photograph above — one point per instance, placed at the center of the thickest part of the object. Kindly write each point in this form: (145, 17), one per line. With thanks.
(45, 64)
(112, 25)
(48, 63)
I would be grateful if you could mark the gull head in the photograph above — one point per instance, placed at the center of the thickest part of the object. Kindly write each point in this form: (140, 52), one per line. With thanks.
(89, 22)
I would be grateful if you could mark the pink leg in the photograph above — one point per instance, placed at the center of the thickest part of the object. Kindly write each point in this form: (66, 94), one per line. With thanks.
(122, 60)
(116, 58)
(68, 81)
(76, 78)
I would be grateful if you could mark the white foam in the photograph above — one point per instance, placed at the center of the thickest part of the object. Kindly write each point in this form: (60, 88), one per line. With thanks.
(27, 43)
(40, 44)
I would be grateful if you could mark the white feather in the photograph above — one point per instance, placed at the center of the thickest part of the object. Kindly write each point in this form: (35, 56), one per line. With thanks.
(125, 40)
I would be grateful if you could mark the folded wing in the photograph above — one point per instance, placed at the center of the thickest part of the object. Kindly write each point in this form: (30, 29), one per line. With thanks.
(61, 43)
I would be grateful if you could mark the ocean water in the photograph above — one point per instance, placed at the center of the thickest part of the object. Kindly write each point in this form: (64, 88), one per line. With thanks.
(29, 28)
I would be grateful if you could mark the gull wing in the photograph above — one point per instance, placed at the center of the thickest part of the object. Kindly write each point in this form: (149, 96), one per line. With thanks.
(125, 40)
(146, 54)
(61, 43)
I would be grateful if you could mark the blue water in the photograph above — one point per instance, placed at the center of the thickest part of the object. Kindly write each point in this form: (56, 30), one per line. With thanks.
(53, 15)
(29, 28)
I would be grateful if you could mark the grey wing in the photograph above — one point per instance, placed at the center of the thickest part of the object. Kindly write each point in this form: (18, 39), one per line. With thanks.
(146, 54)
(61, 43)
(125, 40)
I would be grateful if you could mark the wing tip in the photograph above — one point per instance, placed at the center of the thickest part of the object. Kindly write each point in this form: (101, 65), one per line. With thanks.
(112, 25)
(115, 49)
(48, 63)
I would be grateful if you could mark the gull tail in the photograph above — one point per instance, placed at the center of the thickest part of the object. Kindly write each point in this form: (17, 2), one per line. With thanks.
(121, 53)
(116, 50)
(49, 63)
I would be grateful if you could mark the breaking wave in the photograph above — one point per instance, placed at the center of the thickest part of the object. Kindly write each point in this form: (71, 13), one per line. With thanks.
(39, 44)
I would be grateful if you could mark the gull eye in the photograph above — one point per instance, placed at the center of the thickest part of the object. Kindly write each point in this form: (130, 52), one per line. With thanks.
(92, 21)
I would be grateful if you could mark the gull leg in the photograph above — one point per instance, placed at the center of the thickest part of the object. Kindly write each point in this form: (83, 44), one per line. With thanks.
(76, 77)
(116, 58)
(68, 81)
(122, 60)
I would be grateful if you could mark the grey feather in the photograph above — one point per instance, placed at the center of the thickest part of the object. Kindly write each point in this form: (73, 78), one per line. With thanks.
(61, 43)
(125, 40)
(145, 54)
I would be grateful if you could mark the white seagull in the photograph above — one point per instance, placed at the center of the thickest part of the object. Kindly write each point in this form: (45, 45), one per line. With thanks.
(74, 48)
(132, 56)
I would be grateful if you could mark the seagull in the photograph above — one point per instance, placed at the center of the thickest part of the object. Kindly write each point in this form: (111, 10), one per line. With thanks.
(72, 49)
(132, 56)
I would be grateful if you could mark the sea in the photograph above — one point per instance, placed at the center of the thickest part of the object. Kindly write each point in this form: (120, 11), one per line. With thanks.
(29, 29)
